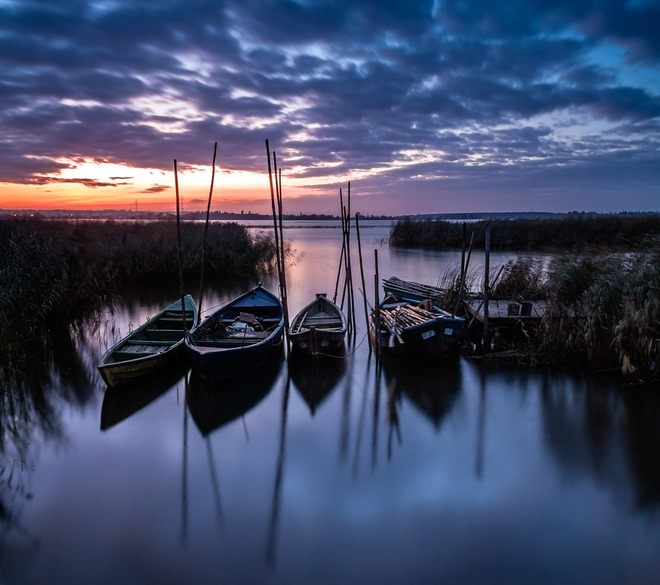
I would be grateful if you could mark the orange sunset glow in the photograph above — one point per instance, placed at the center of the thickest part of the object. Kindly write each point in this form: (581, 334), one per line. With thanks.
(97, 186)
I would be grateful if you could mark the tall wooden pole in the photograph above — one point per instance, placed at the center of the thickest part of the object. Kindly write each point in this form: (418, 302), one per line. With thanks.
(272, 201)
(349, 270)
(343, 246)
(377, 304)
(206, 229)
(285, 297)
(464, 268)
(178, 232)
(364, 288)
(486, 282)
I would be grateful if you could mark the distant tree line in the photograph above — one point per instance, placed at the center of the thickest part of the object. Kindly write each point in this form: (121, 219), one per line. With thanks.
(607, 232)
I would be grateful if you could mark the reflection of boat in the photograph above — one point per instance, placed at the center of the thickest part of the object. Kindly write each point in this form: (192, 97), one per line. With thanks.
(155, 344)
(239, 336)
(119, 403)
(433, 388)
(408, 329)
(319, 327)
(214, 405)
(316, 379)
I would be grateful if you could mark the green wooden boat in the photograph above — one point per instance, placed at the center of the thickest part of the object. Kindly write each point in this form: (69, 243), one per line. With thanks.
(152, 347)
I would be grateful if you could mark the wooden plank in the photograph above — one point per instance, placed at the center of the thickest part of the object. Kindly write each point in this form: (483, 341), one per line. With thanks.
(499, 310)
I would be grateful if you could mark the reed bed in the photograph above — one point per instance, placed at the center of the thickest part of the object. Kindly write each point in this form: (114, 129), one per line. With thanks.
(603, 309)
(54, 272)
(525, 278)
(603, 313)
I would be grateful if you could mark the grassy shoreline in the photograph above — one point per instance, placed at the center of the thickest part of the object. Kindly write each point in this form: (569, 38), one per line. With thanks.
(603, 312)
(54, 272)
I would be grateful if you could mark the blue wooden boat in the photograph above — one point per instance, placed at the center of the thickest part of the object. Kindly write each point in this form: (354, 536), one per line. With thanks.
(154, 345)
(238, 337)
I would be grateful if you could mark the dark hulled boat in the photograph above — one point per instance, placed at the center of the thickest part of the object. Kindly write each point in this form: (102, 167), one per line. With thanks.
(238, 337)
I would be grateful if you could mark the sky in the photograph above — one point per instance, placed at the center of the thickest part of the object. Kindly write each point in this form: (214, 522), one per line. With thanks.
(419, 106)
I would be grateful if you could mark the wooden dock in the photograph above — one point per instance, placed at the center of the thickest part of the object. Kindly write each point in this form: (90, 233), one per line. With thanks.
(504, 313)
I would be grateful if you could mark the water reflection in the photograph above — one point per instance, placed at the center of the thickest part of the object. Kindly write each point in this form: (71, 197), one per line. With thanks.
(611, 434)
(121, 402)
(432, 388)
(641, 433)
(592, 428)
(276, 503)
(315, 379)
(214, 405)
(32, 395)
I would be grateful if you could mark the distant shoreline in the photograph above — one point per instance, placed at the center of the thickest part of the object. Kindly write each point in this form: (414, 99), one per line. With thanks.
(110, 214)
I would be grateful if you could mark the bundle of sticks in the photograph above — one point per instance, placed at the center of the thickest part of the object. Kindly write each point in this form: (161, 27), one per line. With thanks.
(405, 316)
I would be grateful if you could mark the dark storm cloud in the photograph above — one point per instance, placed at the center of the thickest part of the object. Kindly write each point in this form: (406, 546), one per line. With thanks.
(435, 95)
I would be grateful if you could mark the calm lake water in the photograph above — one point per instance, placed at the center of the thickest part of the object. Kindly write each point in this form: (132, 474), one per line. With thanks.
(467, 474)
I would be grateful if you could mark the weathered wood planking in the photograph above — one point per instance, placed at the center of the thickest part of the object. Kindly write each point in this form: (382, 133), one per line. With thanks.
(502, 312)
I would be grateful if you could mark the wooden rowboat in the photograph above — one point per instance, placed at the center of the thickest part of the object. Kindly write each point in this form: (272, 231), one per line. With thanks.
(238, 337)
(319, 328)
(153, 346)
(413, 292)
(413, 331)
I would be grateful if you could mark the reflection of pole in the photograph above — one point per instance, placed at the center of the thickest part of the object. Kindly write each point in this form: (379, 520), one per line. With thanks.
(271, 544)
(184, 474)
(214, 481)
(481, 428)
(374, 435)
(393, 416)
(358, 440)
(345, 419)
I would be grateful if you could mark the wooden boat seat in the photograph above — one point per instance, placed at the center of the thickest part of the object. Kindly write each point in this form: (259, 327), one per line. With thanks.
(166, 335)
(131, 355)
(237, 340)
(255, 335)
(148, 342)
(172, 322)
(322, 323)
